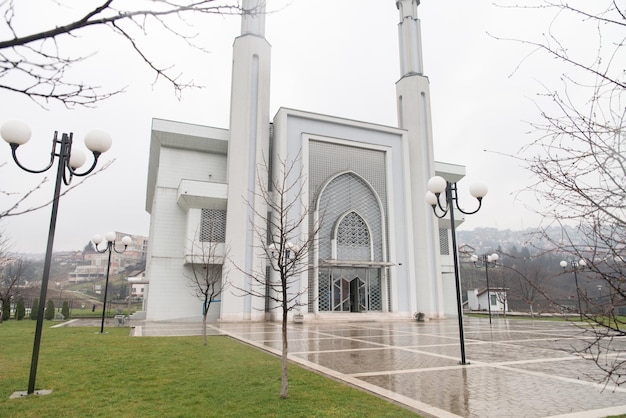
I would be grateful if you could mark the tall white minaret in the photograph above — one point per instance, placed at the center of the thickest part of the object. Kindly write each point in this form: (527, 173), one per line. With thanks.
(414, 115)
(248, 148)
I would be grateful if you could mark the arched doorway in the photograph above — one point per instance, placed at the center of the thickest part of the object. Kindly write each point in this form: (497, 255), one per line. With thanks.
(352, 248)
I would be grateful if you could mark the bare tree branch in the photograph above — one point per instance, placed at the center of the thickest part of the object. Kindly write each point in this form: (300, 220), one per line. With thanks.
(36, 64)
(14, 208)
(578, 161)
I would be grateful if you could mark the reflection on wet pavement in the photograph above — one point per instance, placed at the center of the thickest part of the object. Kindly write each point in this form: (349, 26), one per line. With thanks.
(518, 368)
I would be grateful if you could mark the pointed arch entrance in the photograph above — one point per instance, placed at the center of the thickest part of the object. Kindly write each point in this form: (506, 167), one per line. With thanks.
(352, 247)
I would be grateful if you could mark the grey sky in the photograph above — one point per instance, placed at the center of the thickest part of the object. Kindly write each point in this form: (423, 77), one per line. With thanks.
(337, 57)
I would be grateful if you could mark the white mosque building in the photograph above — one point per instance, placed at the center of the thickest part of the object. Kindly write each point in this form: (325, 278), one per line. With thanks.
(379, 250)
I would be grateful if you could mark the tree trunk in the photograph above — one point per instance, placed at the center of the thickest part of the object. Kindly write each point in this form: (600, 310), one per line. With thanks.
(204, 314)
(284, 385)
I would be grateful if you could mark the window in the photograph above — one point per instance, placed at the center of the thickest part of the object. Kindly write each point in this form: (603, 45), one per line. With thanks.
(353, 232)
(213, 225)
(353, 238)
(444, 246)
(494, 300)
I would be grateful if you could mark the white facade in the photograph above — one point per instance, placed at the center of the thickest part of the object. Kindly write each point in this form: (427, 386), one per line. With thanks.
(379, 250)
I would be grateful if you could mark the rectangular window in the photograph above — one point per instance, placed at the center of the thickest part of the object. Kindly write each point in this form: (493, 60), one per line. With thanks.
(213, 225)
(494, 300)
(444, 245)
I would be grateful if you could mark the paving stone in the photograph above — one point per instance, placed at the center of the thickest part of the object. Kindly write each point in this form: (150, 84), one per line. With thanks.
(517, 368)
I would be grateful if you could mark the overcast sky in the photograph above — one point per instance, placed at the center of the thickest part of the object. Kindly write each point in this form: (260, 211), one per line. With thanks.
(336, 57)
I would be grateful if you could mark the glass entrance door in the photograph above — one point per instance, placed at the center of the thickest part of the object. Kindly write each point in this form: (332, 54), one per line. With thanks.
(343, 289)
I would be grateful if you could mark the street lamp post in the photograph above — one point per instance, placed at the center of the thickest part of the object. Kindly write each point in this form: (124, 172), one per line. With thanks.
(575, 266)
(17, 133)
(488, 261)
(110, 247)
(436, 186)
(60, 286)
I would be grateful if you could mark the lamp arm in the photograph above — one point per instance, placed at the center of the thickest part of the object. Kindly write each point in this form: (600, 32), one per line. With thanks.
(444, 211)
(480, 203)
(119, 251)
(14, 153)
(104, 250)
(96, 155)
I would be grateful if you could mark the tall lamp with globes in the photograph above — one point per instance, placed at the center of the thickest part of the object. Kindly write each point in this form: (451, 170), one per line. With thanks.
(17, 133)
(110, 247)
(575, 266)
(439, 187)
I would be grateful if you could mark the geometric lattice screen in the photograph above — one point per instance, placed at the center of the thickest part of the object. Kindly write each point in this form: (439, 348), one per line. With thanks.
(348, 207)
(213, 225)
(353, 238)
(444, 245)
(351, 207)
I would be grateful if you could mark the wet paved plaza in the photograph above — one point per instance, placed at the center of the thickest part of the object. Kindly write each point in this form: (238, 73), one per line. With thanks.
(517, 368)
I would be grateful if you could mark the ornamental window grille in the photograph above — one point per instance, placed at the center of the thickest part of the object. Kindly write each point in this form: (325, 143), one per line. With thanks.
(339, 201)
(353, 232)
(444, 245)
(213, 225)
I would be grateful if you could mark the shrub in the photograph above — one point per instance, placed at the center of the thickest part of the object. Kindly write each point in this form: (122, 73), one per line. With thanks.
(34, 309)
(49, 313)
(65, 309)
(20, 309)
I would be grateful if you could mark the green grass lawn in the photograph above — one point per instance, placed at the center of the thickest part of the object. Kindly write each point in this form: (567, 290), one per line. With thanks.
(114, 375)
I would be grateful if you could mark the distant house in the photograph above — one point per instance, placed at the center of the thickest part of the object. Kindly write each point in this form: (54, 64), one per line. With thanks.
(68, 256)
(465, 252)
(138, 282)
(479, 300)
(138, 288)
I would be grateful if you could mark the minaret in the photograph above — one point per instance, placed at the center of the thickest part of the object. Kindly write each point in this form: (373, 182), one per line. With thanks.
(414, 115)
(248, 148)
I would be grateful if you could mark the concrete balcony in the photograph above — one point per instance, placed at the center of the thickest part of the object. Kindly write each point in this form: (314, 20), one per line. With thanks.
(201, 194)
(205, 253)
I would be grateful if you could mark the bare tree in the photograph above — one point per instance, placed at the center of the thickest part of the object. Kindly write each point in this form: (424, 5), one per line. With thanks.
(578, 157)
(37, 64)
(207, 252)
(12, 275)
(286, 243)
(527, 279)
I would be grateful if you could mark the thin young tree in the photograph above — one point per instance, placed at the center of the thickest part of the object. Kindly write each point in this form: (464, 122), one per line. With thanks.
(207, 276)
(286, 242)
(37, 61)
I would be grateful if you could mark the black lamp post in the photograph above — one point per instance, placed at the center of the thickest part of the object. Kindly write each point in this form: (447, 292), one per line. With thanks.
(436, 186)
(575, 266)
(110, 238)
(17, 133)
(488, 261)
